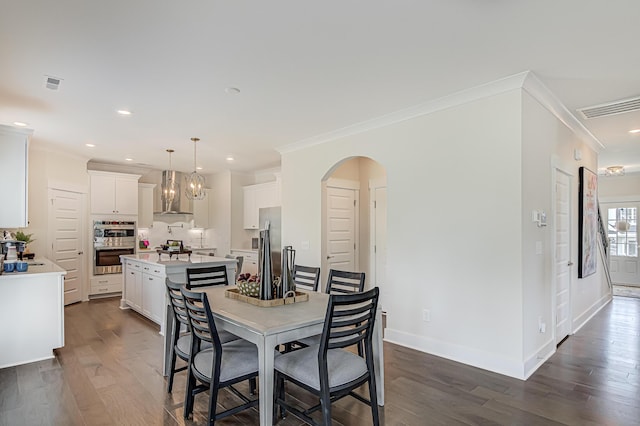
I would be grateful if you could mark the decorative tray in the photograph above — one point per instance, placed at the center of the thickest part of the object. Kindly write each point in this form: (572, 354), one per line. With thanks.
(234, 293)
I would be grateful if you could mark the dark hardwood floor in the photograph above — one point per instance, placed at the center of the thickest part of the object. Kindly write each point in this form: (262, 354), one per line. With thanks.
(108, 373)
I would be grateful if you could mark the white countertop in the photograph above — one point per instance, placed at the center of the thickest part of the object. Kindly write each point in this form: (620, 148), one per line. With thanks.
(245, 250)
(36, 266)
(182, 260)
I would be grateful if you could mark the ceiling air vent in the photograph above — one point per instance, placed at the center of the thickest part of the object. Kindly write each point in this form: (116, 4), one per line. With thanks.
(611, 108)
(52, 83)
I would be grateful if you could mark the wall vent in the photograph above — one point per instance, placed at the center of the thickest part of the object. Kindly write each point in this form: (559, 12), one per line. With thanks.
(52, 83)
(611, 108)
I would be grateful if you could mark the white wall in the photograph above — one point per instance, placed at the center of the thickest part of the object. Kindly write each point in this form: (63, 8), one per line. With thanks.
(619, 188)
(461, 183)
(443, 196)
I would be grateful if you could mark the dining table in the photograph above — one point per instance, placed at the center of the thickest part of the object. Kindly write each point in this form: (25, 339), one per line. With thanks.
(269, 327)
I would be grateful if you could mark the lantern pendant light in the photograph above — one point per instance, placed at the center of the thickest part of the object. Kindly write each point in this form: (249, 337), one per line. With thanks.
(169, 186)
(195, 183)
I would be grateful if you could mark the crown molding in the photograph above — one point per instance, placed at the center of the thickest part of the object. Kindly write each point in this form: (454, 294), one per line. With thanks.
(534, 87)
(525, 80)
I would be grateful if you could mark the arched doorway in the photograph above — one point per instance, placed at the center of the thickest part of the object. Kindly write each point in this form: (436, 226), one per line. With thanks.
(354, 220)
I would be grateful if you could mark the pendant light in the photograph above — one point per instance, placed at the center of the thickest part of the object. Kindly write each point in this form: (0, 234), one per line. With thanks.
(195, 183)
(169, 186)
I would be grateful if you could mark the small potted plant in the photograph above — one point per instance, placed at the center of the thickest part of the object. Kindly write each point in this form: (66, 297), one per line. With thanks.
(25, 238)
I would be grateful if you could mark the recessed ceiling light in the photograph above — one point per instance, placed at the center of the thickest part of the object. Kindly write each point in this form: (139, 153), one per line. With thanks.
(230, 158)
(128, 159)
(124, 112)
(232, 90)
(90, 145)
(198, 168)
(20, 124)
(634, 131)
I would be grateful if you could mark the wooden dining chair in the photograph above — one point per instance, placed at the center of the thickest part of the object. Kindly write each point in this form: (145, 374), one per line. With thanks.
(306, 277)
(220, 366)
(338, 282)
(331, 371)
(206, 276)
(344, 282)
(180, 334)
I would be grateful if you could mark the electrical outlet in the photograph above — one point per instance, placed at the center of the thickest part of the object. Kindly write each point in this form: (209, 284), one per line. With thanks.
(426, 315)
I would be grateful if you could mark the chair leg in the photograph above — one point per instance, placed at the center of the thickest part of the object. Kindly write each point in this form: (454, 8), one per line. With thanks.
(325, 402)
(172, 372)
(213, 399)
(252, 386)
(373, 397)
(188, 396)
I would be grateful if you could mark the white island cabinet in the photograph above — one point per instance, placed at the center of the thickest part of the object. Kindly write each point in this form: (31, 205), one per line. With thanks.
(31, 313)
(144, 280)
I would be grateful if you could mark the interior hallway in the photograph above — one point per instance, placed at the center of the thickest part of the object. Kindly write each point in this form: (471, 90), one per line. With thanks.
(109, 374)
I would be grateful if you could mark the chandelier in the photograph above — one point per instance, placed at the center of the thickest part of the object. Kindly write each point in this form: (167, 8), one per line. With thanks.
(195, 183)
(614, 171)
(169, 186)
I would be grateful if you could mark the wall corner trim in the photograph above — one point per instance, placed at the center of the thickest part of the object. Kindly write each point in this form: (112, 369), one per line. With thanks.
(534, 87)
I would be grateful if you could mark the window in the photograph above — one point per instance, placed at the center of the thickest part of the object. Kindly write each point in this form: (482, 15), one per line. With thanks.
(622, 231)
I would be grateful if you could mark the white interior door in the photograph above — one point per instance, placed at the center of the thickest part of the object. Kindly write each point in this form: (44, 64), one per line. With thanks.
(379, 242)
(622, 232)
(341, 250)
(563, 256)
(65, 225)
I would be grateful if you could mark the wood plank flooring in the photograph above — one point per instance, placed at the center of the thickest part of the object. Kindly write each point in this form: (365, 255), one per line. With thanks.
(109, 373)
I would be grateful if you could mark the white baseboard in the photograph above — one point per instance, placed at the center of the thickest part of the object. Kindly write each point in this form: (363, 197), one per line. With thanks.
(534, 362)
(485, 360)
(583, 318)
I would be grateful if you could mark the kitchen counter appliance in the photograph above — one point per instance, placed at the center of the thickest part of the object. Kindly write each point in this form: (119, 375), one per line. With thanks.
(112, 239)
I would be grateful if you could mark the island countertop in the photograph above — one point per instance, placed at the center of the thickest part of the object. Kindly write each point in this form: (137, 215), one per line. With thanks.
(182, 260)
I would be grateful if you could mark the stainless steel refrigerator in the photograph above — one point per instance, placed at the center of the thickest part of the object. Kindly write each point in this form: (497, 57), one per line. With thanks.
(272, 214)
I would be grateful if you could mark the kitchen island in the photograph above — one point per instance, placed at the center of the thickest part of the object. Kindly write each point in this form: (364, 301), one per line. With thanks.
(31, 313)
(144, 276)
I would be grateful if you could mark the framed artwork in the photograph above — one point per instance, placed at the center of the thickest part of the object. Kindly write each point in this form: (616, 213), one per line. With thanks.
(588, 223)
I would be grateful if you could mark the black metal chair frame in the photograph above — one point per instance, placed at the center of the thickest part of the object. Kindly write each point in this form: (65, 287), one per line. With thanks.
(206, 276)
(349, 321)
(179, 318)
(203, 328)
(344, 282)
(306, 277)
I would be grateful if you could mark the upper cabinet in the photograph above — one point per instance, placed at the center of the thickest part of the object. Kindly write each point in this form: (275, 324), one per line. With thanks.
(14, 148)
(114, 193)
(145, 205)
(257, 197)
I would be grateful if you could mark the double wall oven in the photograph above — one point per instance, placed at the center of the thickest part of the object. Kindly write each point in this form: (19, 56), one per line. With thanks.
(111, 239)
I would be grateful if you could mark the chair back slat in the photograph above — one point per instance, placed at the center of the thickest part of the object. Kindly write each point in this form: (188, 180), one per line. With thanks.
(345, 282)
(201, 320)
(177, 303)
(206, 276)
(349, 321)
(306, 277)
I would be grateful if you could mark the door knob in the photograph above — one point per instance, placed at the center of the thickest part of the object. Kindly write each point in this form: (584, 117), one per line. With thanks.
(80, 252)
(330, 257)
(570, 263)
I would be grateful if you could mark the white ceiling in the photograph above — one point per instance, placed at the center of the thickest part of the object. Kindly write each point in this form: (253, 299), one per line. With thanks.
(304, 69)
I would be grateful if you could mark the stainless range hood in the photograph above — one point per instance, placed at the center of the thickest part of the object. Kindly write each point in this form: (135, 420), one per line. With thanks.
(169, 198)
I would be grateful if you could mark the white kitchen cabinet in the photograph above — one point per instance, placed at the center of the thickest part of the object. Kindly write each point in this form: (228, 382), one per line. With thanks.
(145, 289)
(14, 148)
(257, 197)
(145, 205)
(249, 260)
(104, 284)
(114, 193)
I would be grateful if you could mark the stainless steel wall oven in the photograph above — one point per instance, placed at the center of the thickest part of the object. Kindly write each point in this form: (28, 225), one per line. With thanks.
(112, 238)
